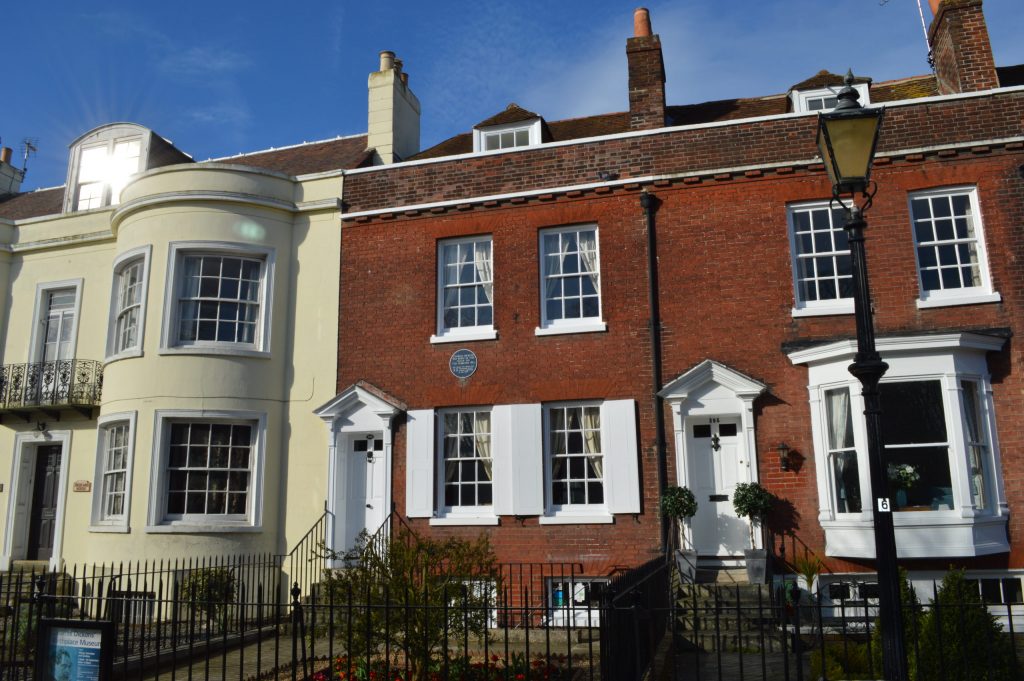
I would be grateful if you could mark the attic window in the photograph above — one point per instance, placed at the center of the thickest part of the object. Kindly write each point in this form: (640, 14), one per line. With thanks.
(507, 136)
(101, 163)
(824, 99)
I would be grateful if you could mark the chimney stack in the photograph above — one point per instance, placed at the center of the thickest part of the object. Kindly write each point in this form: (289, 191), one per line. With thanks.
(393, 121)
(646, 75)
(960, 47)
(10, 177)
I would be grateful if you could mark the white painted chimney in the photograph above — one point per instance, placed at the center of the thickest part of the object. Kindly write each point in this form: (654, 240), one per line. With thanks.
(393, 121)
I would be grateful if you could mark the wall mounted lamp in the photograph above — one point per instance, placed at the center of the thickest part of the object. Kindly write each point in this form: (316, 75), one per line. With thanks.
(784, 463)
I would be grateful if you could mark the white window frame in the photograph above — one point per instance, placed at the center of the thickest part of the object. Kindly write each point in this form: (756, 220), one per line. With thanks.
(960, 296)
(459, 334)
(963, 530)
(158, 521)
(38, 321)
(812, 308)
(532, 127)
(464, 515)
(801, 98)
(121, 263)
(105, 137)
(177, 251)
(575, 513)
(549, 327)
(101, 522)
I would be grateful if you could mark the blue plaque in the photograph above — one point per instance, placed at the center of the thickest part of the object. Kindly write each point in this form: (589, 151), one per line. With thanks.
(462, 363)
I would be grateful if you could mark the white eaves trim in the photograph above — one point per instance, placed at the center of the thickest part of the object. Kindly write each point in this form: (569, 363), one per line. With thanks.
(897, 344)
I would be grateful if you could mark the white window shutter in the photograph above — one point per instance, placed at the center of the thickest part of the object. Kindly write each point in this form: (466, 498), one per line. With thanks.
(419, 463)
(518, 447)
(501, 457)
(621, 465)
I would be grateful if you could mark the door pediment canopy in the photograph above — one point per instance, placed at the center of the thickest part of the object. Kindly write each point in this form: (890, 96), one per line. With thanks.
(358, 405)
(710, 373)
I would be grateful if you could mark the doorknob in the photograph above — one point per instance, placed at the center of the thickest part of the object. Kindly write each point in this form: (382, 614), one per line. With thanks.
(369, 506)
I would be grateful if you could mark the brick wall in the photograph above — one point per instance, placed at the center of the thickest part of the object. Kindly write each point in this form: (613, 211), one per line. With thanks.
(388, 298)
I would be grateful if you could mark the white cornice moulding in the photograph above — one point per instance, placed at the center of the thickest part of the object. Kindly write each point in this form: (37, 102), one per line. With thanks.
(846, 349)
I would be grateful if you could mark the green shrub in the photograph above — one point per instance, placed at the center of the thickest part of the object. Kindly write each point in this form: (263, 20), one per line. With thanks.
(437, 589)
(959, 638)
(750, 500)
(209, 590)
(912, 622)
(678, 503)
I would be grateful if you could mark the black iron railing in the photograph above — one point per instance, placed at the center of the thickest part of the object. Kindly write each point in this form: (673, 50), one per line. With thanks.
(59, 383)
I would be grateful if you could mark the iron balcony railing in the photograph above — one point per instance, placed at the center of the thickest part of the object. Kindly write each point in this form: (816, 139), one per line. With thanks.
(73, 383)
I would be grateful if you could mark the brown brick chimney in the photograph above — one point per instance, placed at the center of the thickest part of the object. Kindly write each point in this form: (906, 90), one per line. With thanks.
(646, 75)
(960, 46)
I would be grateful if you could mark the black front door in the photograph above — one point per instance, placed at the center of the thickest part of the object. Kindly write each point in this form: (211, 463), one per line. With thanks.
(43, 519)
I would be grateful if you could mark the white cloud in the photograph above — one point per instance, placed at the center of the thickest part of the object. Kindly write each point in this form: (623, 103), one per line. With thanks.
(199, 61)
(221, 113)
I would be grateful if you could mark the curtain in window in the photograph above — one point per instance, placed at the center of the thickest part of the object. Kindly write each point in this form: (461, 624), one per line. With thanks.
(553, 289)
(483, 443)
(840, 443)
(839, 419)
(975, 442)
(588, 254)
(592, 440)
(451, 453)
(483, 271)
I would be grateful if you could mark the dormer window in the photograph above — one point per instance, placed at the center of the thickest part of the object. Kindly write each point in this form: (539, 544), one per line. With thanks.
(514, 127)
(103, 172)
(819, 92)
(104, 159)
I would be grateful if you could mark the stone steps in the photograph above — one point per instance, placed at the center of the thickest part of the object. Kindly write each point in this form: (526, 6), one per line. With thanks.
(723, 612)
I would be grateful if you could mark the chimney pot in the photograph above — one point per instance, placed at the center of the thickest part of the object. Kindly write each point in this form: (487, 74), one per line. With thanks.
(5, 155)
(641, 23)
(405, 78)
(934, 4)
(398, 65)
(387, 60)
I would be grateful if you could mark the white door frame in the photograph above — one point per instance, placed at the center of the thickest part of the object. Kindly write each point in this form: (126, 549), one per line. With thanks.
(355, 410)
(19, 501)
(713, 389)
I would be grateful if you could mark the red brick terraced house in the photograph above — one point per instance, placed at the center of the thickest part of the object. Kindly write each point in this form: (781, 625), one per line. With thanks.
(544, 323)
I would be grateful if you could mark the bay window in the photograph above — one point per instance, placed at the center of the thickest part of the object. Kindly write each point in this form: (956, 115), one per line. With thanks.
(939, 448)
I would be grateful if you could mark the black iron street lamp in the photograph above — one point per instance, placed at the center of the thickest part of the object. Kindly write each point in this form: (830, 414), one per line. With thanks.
(847, 136)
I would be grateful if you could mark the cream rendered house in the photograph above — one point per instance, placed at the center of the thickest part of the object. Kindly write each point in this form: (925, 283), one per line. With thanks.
(168, 329)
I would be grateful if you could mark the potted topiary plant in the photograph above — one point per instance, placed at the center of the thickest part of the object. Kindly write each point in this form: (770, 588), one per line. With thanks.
(679, 505)
(752, 501)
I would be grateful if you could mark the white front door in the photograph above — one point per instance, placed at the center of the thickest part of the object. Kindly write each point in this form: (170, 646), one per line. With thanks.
(363, 486)
(716, 456)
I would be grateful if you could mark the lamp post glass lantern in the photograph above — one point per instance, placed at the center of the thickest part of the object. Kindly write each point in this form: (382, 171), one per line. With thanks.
(847, 138)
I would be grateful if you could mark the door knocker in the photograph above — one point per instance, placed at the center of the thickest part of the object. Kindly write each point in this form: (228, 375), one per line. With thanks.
(715, 442)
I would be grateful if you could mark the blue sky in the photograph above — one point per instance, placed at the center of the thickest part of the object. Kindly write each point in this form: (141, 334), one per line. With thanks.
(222, 77)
